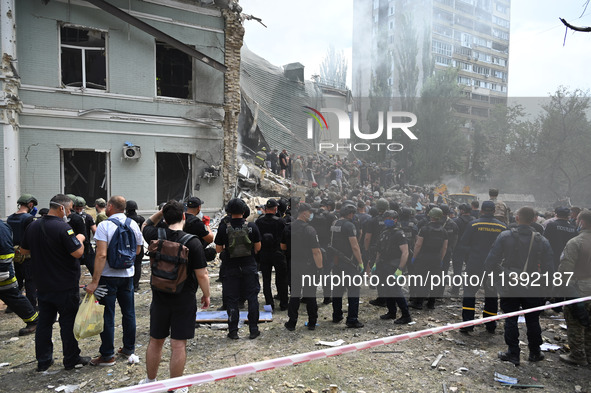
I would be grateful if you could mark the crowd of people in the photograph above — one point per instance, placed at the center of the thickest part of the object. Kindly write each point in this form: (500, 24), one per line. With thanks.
(343, 230)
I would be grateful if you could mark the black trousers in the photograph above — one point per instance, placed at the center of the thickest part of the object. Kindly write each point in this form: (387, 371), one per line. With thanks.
(50, 303)
(241, 281)
(18, 303)
(308, 292)
(532, 323)
(270, 260)
(24, 275)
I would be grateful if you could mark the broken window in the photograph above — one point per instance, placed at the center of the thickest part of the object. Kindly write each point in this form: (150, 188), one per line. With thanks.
(85, 173)
(83, 61)
(173, 176)
(174, 72)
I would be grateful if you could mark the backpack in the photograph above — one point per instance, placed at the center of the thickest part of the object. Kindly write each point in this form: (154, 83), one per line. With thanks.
(385, 244)
(168, 261)
(239, 244)
(123, 245)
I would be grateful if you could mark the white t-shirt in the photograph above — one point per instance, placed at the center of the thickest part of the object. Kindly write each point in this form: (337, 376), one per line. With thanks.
(105, 231)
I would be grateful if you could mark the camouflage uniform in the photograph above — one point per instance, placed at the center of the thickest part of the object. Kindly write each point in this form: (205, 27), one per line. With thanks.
(576, 258)
(501, 210)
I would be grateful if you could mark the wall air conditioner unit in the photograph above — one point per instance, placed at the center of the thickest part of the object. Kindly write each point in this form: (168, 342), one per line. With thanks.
(132, 152)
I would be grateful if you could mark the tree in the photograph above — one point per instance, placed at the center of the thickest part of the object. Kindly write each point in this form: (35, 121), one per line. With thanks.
(333, 69)
(440, 145)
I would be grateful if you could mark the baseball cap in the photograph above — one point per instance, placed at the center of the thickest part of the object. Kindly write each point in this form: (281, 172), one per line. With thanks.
(562, 211)
(271, 203)
(194, 202)
(304, 207)
(488, 206)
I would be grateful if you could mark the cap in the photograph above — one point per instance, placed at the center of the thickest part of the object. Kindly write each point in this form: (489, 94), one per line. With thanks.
(488, 206)
(271, 203)
(562, 211)
(194, 202)
(100, 202)
(131, 205)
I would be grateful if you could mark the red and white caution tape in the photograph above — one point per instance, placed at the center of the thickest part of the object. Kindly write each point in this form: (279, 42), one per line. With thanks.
(231, 372)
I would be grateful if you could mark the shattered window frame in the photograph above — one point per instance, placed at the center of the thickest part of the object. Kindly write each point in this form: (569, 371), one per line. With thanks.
(72, 173)
(74, 54)
(174, 175)
(165, 56)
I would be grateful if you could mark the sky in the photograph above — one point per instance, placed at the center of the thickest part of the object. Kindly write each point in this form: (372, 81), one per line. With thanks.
(301, 31)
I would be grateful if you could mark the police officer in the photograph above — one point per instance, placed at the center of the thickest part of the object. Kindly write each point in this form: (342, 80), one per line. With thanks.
(131, 212)
(19, 222)
(240, 272)
(521, 250)
(372, 231)
(194, 223)
(559, 232)
(452, 238)
(322, 221)
(89, 228)
(459, 255)
(54, 250)
(306, 259)
(9, 292)
(477, 241)
(391, 259)
(271, 229)
(347, 263)
(430, 248)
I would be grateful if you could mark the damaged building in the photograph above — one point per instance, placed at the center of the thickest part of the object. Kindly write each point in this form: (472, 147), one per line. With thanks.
(273, 113)
(132, 97)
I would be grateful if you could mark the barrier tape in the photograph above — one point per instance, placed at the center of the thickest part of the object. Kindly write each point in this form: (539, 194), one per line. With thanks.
(271, 364)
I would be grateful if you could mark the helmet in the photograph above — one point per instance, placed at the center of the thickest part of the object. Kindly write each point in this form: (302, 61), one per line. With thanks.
(131, 205)
(405, 213)
(376, 194)
(429, 207)
(382, 205)
(347, 209)
(333, 183)
(436, 213)
(79, 202)
(444, 208)
(25, 199)
(373, 211)
(236, 206)
(264, 148)
(72, 197)
(282, 208)
(246, 211)
(390, 214)
(394, 205)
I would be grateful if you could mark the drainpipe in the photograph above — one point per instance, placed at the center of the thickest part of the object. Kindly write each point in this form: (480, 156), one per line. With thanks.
(10, 105)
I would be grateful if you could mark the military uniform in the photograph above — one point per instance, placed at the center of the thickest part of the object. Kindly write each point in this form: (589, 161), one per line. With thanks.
(576, 258)
(501, 210)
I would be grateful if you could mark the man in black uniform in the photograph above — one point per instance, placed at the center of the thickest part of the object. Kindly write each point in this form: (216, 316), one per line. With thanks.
(521, 250)
(271, 229)
(459, 256)
(89, 228)
(372, 230)
(19, 222)
(477, 241)
(241, 278)
(131, 212)
(347, 263)
(452, 238)
(306, 259)
(54, 251)
(322, 221)
(9, 292)
(390, 260)
(430, 248)
(559, 232)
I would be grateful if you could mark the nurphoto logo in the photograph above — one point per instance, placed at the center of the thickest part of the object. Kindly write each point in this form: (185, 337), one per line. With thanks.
(393, 122)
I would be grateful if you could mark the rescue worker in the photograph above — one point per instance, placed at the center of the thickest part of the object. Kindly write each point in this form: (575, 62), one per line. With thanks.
(322, 221)
(558, 232)
(477, 241)
(347, 262)
(501, 209)
(372, 230)
(430, 248)
(391, 259)
(271, 229)
(240, 271)
(306, 258)
(459, 255)
(19, 222)
(260, 157)
(9, 292)
(521, 250)
(89, 229)
(452, 238)
(576, 259)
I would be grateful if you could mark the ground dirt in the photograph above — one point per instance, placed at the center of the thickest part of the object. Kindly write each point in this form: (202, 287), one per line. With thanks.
(402, 367)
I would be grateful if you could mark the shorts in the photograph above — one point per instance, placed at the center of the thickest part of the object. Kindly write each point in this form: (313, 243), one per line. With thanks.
(173, 315)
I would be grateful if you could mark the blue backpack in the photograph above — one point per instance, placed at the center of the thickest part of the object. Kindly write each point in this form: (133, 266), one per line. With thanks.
(123, 246)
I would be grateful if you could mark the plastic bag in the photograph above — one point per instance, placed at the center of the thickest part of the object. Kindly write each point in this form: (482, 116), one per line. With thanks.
(89, 319)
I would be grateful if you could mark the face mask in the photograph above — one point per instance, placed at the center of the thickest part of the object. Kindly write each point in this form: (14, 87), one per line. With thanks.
(311, 217)
(259, 212)
(33, 211)
(200, 216)
(389, 223)
(65, 217)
